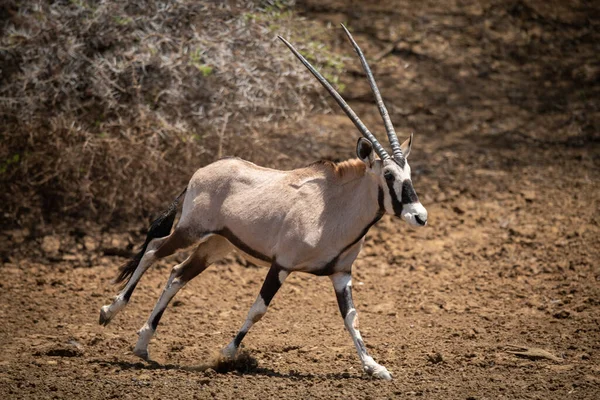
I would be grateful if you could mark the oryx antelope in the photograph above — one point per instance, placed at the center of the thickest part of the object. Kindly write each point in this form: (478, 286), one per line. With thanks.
(311, 219)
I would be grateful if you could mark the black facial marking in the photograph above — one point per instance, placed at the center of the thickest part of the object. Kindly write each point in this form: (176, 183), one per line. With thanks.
(156, 319)
(329, 268)
(271, 284)
(344, 299)
(408, 193)
(226, 233)
(239, 337)
(396, 204)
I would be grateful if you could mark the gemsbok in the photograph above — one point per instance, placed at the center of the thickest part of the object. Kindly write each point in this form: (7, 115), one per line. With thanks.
(311, 219)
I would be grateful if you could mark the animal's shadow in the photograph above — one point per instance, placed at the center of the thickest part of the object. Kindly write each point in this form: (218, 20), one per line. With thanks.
(244, 364)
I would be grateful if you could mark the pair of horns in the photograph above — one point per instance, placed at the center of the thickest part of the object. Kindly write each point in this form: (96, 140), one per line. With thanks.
(397, 152)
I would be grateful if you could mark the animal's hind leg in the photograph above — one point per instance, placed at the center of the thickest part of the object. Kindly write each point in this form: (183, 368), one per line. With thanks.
(214, 248)
(157, 249)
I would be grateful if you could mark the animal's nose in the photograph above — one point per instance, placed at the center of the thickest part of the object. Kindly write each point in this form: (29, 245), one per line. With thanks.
(421, 216)
(421, 219)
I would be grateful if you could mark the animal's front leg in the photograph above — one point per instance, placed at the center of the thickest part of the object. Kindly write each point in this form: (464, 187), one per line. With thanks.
(273, 282)
(342, 283)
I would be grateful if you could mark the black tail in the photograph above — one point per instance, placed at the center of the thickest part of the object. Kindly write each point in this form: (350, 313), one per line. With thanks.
(161, 227)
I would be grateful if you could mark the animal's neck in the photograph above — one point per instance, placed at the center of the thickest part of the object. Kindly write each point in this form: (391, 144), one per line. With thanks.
(361, 201)
(349, 170)
(341, 173)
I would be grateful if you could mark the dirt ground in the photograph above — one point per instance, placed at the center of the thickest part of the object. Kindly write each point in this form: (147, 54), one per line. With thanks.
(498, 297)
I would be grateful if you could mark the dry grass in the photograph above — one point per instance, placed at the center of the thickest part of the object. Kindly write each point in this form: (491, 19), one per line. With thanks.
(108, 107)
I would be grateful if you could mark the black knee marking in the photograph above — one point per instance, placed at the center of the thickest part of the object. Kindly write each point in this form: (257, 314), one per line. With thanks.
(344, 299)
(128, 293)
(271, 284)
(268, 290)
(239, 337)
(156, 319)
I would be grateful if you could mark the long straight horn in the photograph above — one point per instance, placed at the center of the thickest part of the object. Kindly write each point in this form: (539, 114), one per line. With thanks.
(342, 103)
(389, 128)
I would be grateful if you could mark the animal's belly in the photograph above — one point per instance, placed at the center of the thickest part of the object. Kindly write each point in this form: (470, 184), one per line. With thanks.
(253, 260)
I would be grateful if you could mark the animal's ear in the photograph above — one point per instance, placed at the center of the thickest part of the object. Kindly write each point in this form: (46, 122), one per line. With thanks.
(405, 147)
(364, 151)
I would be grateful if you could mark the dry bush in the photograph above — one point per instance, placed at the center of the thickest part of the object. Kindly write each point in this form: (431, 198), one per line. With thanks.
(108, 107)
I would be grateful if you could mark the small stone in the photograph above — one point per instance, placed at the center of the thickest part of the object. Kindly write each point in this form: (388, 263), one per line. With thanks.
(471, 334)
(51, 244)
(143, 377)
(580, 308)
(528, 195)
(430, 308)
(458, 210)
(562, 314)
(435, 358)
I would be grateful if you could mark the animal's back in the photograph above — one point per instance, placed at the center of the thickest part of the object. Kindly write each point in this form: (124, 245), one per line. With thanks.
(235, 193)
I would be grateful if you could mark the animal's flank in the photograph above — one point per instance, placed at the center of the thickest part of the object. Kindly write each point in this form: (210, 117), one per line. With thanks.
(161, 227)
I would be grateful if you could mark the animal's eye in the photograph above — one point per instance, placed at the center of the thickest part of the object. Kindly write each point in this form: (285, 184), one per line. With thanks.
(388, 176)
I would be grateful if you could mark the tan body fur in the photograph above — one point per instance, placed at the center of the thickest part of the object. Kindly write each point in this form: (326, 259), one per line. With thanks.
(301, 218)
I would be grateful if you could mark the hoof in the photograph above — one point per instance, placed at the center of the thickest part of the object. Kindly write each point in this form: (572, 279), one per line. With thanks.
(378, 371)
(383, 374)
(142, 353)
(104, 316)
(229, 352)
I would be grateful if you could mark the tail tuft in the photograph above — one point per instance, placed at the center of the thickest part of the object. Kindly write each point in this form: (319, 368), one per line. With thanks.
(161, 227)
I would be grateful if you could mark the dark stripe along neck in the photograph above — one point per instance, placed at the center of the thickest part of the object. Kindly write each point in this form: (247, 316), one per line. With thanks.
(329, 268)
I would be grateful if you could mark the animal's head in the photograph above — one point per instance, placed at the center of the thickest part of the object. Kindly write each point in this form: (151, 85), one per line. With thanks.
(393, 172)
(400, 198)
